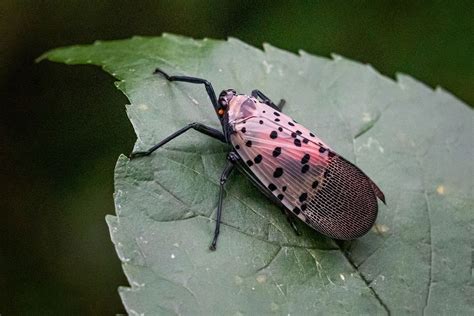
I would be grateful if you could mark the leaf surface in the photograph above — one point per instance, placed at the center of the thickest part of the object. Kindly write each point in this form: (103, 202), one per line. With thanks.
(414, 142)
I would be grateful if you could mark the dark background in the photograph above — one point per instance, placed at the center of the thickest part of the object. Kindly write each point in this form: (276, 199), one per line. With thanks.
(62, 128)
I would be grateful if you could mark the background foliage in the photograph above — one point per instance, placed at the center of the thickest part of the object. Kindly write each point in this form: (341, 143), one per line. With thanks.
(61, 131)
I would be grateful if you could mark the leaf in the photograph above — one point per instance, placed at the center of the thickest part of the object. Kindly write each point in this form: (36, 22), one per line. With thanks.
(415, 143)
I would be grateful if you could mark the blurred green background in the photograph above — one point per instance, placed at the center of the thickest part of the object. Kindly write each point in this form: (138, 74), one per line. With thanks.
(62, 128)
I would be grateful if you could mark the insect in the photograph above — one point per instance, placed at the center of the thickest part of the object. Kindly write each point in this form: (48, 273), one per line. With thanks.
(287, 162)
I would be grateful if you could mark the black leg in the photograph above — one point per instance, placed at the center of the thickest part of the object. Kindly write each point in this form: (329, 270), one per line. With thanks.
(197, 126)
(281, 104)
(231, 159)
(207, 84)
(266, 100)
(289, 216)
(291, 220)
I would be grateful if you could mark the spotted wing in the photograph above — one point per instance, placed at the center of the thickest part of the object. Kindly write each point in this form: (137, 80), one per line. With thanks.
(322, 188)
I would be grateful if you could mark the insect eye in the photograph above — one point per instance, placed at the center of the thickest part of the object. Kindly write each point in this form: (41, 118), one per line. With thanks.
(223, 101)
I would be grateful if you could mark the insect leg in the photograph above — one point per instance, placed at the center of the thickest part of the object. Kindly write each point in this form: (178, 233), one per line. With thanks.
(289, 216)
(207, 84)
(231, 159)
(291, 220)
(257, 93)
(196, 126)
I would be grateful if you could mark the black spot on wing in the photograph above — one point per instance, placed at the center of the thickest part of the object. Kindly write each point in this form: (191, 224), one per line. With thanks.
(305, 158)
(305, 169)
(326, 173)
(278, 172)
(276, 152)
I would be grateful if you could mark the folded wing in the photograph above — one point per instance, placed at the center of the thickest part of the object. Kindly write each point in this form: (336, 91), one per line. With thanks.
(320, 187)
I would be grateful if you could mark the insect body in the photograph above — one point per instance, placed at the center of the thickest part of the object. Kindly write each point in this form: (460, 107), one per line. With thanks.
(288, 163)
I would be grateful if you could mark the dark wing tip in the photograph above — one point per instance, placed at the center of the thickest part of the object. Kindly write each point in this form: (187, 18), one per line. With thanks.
(382, 197)
(377, 191)
(345, 205)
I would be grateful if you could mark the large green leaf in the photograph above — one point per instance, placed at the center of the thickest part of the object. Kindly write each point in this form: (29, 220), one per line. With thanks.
(416, 143)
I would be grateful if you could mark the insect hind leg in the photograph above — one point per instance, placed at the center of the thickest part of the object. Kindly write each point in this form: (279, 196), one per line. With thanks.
(258, 94)
(232, 158)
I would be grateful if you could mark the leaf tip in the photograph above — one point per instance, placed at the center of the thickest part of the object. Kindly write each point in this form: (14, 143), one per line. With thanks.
(42, 57)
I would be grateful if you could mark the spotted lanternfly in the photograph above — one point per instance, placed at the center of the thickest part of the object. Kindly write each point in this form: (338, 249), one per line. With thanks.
(288, 163)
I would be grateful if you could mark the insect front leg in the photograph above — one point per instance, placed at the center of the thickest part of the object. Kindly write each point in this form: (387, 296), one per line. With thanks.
(207, 84)
(232, 158)
(209, 131)
(258, 94)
